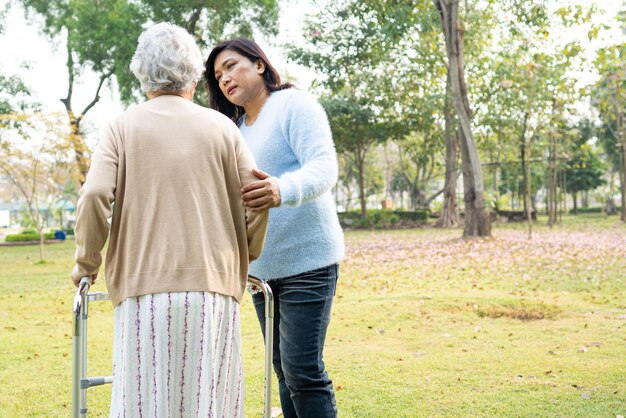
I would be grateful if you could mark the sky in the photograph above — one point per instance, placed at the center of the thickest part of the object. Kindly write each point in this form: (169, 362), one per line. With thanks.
(47, 76)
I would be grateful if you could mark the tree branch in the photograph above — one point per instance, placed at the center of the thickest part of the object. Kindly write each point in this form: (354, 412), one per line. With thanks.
(96, 97)
(193, 21)
(70, 75)
(433, 197)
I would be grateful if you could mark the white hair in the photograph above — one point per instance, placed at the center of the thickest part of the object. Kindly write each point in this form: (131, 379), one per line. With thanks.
(167, 59)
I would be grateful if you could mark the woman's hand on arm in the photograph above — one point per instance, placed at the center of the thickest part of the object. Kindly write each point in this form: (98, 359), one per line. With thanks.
(262, 194)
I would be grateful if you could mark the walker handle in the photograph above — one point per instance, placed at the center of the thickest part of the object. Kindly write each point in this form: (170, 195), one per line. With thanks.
(83, 288)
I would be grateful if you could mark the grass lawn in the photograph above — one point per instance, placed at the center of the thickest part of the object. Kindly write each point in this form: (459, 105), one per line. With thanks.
(424, 324)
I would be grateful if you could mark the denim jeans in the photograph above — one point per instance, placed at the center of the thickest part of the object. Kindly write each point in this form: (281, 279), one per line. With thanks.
(302, 305)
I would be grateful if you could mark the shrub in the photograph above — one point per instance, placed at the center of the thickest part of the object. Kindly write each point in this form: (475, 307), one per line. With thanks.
(363, 223)
(591, 210)
(381, 217)
(416, 215)
(27, 237)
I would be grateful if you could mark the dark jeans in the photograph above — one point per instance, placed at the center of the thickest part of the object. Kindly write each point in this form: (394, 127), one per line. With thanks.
(302, 305)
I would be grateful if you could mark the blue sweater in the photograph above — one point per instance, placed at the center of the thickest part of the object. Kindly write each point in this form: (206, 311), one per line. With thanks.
(291, 141)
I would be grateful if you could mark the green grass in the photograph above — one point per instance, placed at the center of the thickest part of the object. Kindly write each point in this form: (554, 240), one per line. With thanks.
(424, 324)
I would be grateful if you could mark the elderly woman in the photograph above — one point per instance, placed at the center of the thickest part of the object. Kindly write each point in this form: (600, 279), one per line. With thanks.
(180, 239)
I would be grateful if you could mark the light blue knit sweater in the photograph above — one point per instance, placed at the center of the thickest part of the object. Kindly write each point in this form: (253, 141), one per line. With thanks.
(291, 141)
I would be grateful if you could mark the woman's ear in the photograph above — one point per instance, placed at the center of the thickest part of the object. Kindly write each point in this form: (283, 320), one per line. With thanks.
(260, 66)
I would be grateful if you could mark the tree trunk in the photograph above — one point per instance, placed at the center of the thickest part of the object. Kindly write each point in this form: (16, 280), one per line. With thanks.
(414, 194)
(76, 139)
(564, 179)
(623, 179)
(552, 182)
(78, 145)
(449, 213)
(348, 198)
(428, 200)
(609, 207)
(477, 222)
(496, 170)
(575, 199)
(526, 172)
(361, 180)
(41, 244)
(522, 156)
(527, 186)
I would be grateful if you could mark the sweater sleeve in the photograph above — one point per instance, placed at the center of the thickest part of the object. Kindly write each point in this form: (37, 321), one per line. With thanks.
(256, 222)
(306, 128)
(95, 207)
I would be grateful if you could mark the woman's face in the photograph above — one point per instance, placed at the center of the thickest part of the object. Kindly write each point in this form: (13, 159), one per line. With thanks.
(239, 79)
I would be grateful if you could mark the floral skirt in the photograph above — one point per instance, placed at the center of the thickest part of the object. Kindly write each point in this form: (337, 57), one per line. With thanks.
(177, 355)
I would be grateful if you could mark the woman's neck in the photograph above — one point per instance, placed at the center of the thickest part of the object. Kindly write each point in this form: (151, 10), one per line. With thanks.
(187, 94)
(254, 106)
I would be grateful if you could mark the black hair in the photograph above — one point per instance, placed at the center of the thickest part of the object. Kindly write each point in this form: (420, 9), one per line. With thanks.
(251, 50)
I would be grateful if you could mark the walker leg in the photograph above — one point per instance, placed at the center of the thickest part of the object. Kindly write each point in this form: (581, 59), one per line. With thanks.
(269, 342)
(79, 349)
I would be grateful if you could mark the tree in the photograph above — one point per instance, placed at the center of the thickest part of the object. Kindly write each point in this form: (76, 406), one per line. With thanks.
(550, 91)
(419, 164)
(421, 97)
(355, 131)
(346, 47)
(610, 100)
(33, 159)
(477, 222)
(449, 212)
(584, 172)
(101, 36)
(533, 87)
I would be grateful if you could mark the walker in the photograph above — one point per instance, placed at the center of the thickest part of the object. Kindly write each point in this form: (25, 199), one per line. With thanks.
(80, 381)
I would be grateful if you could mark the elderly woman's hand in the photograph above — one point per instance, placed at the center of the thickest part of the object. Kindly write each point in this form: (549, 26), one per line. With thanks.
(77, 280)
(262, 194)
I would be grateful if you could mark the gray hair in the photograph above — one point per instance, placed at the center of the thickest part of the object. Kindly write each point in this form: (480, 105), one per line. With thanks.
(167, 59)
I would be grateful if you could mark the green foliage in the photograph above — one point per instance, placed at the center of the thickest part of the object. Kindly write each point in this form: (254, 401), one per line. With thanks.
(354, 124)
(512, 179)
(531, 88)
(27, 237)
(376, 84)
(102, 35)
(356, 130)
(382, 217)
(15, 96)
(584, 171)
(420, 161)
(3, 13)
(609, 98)
(589, 210)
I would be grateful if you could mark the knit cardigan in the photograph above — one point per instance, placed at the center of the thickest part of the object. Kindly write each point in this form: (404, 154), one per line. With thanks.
(169, 174)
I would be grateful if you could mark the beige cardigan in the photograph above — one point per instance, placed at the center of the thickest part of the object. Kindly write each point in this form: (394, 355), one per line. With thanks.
(169, 172)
